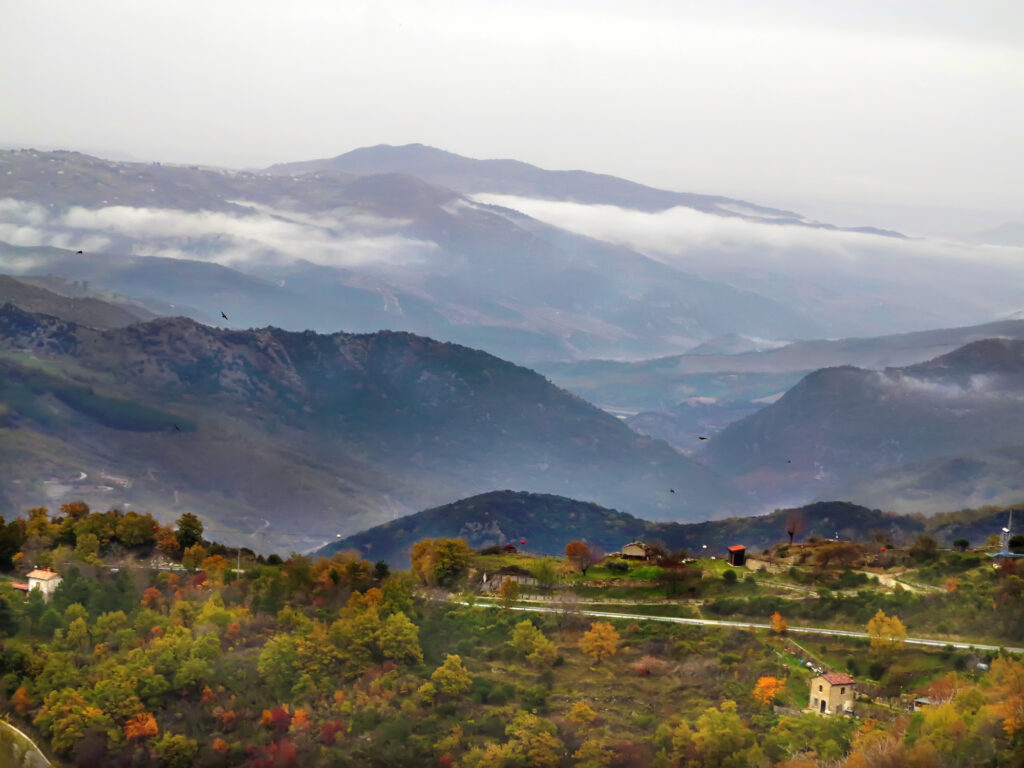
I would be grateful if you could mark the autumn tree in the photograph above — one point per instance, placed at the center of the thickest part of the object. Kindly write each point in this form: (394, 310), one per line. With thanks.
(214, 566)
(581, 713)
(530, 641)
(193, 556)
(22, 703)
(887, 633)
(600, 641)
(452, 678)
(399, 639)
(533, 741)
(440, 561)
(142, 726)
(581, 555)
(778, 624)
(508, 592)
(767, 689)
(167, 542)
(593, 754)
(176, 750)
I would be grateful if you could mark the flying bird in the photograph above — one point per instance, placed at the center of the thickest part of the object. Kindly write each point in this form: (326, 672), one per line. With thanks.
(671, 490)
(177, 428)
(223, 315)
(701, 437)
(78, 252)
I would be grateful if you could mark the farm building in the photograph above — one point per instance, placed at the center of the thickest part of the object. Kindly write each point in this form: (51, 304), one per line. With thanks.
(832, 694)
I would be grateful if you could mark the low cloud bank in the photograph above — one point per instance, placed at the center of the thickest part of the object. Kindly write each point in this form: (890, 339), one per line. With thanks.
(264, 234)
(817, 268)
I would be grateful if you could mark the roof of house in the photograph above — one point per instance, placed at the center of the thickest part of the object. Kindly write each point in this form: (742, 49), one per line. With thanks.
(42, 575)
(636, 544)
(737, 548)
(838, 678)
(22, 585)
(512, 570)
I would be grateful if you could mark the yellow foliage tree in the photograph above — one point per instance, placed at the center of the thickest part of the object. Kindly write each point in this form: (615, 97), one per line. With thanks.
(600, 641)
(582, 713)
(887, 632)
(767, 689)
(452, 678)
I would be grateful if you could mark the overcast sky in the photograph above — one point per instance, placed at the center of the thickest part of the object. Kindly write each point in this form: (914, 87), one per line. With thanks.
(914, 104)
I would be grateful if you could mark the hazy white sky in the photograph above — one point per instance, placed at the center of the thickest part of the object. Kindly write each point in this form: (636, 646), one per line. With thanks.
(893, 102)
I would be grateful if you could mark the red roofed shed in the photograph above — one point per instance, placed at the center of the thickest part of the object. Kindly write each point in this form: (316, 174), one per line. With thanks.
(737, 554)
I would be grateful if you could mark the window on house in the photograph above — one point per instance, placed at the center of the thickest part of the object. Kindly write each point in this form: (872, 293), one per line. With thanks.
(842, 690)
(820, 688)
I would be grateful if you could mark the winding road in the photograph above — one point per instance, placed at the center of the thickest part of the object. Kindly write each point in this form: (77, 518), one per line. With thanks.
(748, 625)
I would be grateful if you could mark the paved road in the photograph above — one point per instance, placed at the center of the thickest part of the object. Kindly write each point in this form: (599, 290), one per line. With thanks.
(749, 625)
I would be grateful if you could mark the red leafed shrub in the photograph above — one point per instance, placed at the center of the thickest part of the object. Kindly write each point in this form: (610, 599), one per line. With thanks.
(649, 665)
(330, 731)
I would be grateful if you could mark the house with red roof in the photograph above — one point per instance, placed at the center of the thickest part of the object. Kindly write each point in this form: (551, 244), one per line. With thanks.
(43, 579)
(832, 694)
(737, 555)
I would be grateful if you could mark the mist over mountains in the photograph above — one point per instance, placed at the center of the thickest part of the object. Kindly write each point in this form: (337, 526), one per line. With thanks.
(527, 263)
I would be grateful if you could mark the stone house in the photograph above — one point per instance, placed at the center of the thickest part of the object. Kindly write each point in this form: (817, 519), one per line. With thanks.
(492, 581)
(636, 550)
(832, 694)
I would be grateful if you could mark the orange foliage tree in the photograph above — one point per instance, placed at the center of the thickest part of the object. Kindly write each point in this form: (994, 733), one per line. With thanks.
(767, 689)
(142, 726)
(778, 624)
(581, 555)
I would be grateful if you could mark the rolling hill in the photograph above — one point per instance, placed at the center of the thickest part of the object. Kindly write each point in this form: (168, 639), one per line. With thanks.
(548, 523)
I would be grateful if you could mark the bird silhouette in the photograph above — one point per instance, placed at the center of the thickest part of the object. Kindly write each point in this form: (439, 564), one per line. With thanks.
(701, 437)
(177, 428)
(78, 252)
(223, 315)
(671, 490)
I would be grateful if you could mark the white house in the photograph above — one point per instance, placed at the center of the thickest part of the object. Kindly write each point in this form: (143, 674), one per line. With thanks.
(45, 580)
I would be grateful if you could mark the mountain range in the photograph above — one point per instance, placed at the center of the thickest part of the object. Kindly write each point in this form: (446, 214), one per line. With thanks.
(334, 250)
(302, 436)
(936, 432)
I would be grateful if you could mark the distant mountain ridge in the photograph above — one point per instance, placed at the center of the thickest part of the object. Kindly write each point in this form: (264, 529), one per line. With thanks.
(82, 310)
(315, 434)
(840, 427)
(386, 250)
(513, 177)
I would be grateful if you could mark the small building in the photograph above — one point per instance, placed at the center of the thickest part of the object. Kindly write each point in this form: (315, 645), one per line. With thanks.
(832, 694)
(922, 702)
(491, 582)
(636, 550)
(509, 549)
(45, 580)
(737, 555)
